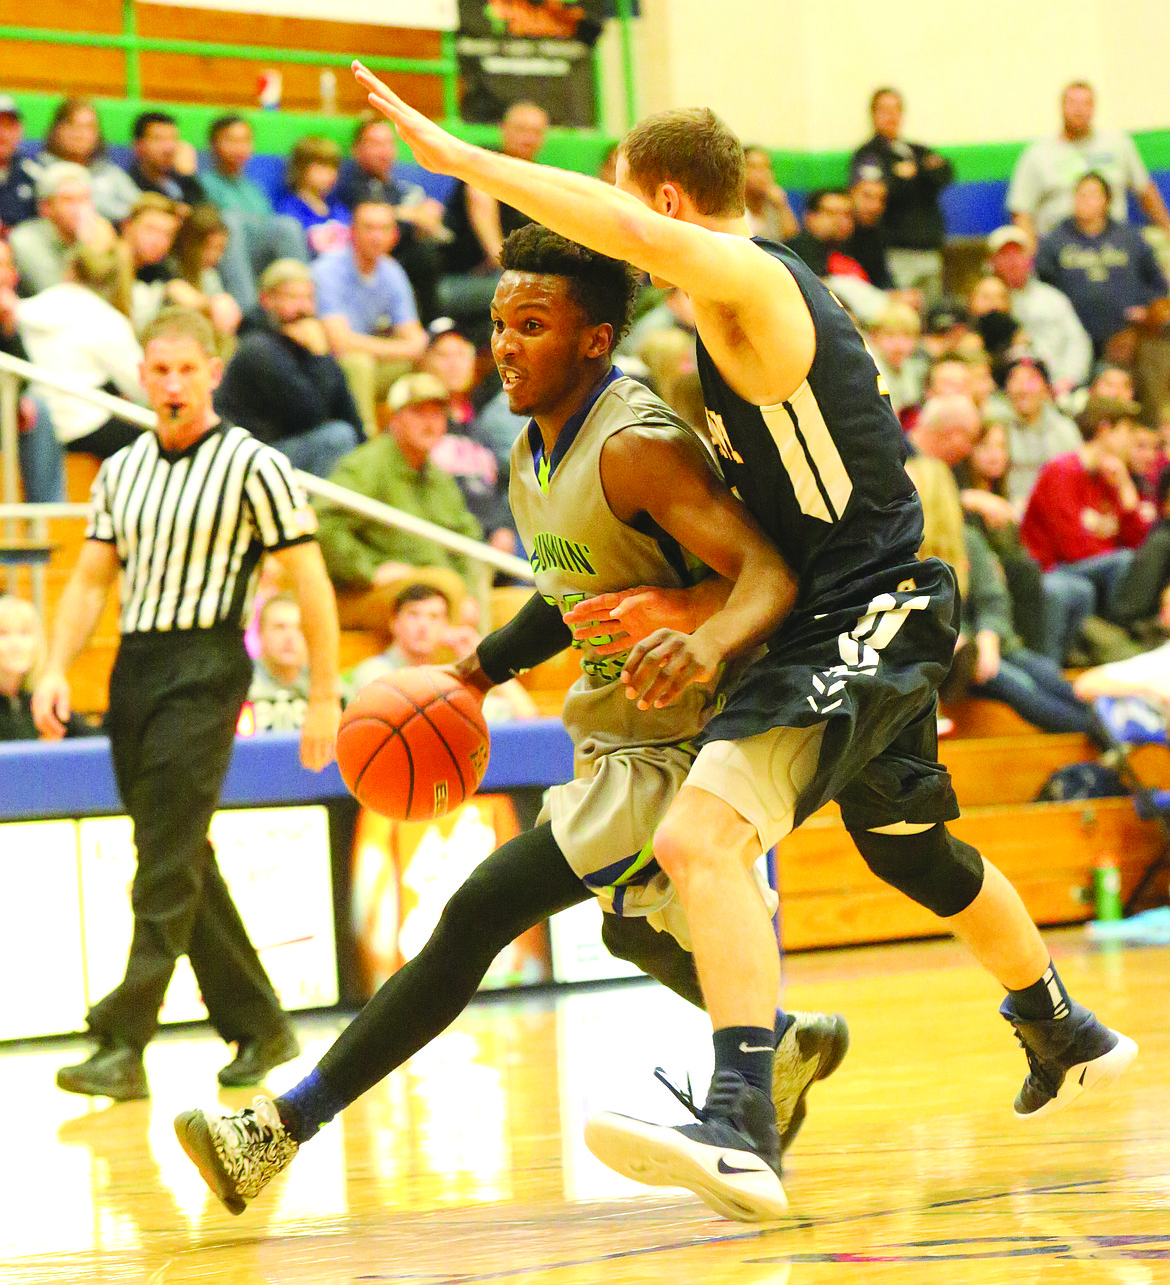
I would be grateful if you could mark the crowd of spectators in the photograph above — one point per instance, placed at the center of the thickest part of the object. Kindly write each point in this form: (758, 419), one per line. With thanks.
(1030, 373)
(352, 311)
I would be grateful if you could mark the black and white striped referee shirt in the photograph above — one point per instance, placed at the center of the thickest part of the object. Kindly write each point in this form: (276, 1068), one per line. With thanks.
(190, 527)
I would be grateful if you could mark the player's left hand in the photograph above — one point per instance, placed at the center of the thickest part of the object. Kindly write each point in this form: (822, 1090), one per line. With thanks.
(627, 616)
(319, 733)
(661, 667)
(432, 147)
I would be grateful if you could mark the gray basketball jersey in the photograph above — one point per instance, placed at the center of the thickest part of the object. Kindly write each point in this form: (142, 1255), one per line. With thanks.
(630, 763)
(578, 549)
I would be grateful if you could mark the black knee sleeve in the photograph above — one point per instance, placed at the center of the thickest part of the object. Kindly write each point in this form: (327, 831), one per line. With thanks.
(657, 954)
(933, 868)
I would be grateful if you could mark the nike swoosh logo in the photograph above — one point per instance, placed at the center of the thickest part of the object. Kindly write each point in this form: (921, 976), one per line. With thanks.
(1083, 1072)
(754, 1048)
(724, 1167)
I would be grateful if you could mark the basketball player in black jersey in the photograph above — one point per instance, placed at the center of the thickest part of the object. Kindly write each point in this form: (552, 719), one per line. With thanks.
(844, 703)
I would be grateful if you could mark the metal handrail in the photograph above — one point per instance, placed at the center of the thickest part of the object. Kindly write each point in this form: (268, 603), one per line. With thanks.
(12, 368)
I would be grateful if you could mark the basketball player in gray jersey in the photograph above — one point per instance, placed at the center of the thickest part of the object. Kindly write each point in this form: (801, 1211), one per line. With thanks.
(609, 489)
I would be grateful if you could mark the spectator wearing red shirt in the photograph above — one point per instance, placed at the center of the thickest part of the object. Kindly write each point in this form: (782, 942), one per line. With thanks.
(1084, 516)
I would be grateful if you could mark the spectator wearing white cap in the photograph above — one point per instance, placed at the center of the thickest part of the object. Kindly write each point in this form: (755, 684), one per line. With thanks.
(41, 246)
(17, 174)
(369, 562)
(1041, 191)
(1054, 331)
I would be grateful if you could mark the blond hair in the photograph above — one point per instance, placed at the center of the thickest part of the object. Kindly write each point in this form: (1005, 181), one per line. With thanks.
(693, 148)
(102, 272)
(942, 514)
(899, 319)
(15, 610)
(181, 323)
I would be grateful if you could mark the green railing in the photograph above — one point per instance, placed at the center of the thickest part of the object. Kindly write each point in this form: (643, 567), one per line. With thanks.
(446, 66)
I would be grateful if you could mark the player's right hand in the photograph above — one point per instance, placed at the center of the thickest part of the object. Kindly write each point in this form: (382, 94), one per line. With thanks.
(432, 147)
(50, 706)
(627, 616)
(663, 666)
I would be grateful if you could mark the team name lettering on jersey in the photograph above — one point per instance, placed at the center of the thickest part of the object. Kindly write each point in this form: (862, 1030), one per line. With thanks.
(554, 552)
(605, 668)
(720, 438)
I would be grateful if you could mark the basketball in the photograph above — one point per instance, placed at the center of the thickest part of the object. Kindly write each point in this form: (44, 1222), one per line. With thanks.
(413, 745)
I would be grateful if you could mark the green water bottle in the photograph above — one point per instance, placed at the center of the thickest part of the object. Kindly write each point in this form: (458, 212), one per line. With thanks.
(1107, 888)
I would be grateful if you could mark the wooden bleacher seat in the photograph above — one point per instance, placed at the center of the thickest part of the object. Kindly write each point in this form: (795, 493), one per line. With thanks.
(1048, 850)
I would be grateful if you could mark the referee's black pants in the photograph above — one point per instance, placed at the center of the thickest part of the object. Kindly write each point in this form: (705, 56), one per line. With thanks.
(174, 702)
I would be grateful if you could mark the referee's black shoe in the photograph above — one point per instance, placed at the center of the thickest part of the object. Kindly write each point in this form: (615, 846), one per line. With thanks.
(730, 1158)
(256, 1057)
(111, 1071)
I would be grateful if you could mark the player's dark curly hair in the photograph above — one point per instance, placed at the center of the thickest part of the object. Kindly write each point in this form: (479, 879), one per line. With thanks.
(604, 288)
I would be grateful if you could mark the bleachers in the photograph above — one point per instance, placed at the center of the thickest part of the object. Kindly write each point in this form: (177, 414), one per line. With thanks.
(997, 761)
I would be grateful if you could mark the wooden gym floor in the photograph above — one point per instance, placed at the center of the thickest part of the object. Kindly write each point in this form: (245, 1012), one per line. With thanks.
(468, 1164)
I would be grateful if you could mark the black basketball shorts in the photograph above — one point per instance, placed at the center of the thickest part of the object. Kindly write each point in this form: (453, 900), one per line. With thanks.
(849, 716)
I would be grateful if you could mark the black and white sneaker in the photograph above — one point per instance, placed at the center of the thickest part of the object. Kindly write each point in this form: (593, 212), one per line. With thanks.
(1066, 1056)
(238, 1154)
(811, 1049)
(730, 1158)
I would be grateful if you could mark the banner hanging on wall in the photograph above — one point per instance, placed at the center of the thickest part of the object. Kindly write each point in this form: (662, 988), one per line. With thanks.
(534, 50)
(427, 15)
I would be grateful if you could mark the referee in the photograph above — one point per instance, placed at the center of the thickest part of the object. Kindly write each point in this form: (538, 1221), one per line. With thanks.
(186, 513)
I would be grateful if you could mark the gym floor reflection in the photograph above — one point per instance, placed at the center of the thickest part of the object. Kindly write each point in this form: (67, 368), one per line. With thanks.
(468, 1164)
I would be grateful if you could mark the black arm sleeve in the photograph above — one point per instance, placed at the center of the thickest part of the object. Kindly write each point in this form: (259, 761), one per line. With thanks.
(535, 633)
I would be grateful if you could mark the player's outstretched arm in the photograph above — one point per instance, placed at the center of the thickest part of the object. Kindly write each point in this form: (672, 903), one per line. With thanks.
(665, 475)
(708, 265)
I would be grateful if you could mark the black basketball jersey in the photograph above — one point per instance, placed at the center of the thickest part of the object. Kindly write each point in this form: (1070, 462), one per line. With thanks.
(823, 471)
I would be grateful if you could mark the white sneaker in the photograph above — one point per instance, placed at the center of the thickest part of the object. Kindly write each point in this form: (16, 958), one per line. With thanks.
(238, 1154)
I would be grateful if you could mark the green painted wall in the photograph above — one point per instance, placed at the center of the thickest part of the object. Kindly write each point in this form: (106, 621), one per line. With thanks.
(580, 150)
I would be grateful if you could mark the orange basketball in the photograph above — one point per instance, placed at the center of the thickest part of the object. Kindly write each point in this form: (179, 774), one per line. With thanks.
(413, 745)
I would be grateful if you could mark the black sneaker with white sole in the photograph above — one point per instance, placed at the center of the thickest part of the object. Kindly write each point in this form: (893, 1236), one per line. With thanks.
(1066, 1057)
(730, 1159)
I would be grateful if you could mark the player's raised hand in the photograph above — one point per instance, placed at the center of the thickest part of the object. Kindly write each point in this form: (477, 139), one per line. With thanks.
(662, 666)
(627, 616)
(433, 148)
